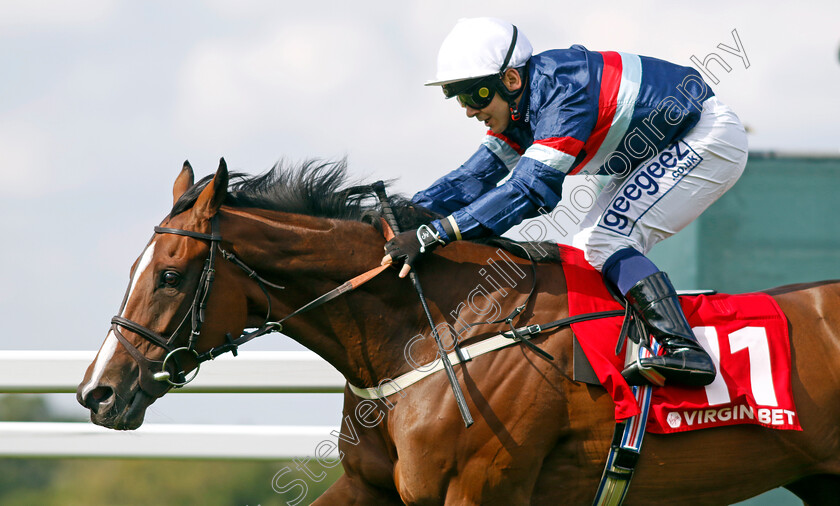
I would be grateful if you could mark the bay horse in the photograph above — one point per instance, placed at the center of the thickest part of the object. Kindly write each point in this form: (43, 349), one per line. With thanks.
(539, 437)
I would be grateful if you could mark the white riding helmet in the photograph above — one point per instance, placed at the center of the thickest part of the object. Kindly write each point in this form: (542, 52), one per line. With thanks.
(477, 47)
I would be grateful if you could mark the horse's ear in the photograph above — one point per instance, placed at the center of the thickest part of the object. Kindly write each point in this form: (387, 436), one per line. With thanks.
(184, 182)
(213, 195)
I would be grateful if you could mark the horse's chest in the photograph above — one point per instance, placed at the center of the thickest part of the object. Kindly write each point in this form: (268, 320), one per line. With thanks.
(427, 481)
(465, 469)
(497, 460)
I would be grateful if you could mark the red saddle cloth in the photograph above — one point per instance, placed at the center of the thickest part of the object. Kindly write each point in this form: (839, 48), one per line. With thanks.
(746, 335)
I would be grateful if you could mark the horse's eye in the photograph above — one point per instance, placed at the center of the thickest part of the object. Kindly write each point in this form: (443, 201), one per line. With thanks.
(171, 279)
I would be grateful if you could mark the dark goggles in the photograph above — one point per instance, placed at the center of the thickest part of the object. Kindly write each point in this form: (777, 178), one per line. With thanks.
(474, 93)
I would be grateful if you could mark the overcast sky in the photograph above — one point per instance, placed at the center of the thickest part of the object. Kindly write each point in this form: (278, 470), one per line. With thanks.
(101, 101)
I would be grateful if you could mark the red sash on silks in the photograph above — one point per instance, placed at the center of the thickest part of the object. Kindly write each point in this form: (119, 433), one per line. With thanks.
(746, 335)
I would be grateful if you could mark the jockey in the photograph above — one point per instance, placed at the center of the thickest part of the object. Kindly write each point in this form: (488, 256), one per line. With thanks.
(671, 146)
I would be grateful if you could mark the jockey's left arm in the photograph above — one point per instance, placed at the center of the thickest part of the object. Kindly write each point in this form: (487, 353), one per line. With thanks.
(457, 189)
(536, 182)
(561, 126)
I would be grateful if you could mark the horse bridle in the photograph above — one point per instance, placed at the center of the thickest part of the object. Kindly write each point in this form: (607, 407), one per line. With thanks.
(169, 372)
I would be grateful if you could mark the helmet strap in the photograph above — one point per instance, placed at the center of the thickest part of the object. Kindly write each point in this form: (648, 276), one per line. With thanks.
(510, 49)
(511, 96)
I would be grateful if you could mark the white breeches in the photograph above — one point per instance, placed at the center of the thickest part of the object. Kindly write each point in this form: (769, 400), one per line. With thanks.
(667, 192)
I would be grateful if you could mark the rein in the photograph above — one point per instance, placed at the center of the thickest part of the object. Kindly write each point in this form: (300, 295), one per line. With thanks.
(169, 372)
(157, 376)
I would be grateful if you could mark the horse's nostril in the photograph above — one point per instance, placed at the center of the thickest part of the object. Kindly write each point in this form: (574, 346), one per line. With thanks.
(98, 396)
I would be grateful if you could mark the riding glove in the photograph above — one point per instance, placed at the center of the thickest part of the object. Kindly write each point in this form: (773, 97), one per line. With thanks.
(409, 246)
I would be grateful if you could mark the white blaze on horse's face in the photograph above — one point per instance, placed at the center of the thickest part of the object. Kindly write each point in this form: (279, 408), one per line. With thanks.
(145, 261)
(106, 352)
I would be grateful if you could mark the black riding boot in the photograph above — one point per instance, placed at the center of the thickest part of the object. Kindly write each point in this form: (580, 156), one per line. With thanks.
(684, 361)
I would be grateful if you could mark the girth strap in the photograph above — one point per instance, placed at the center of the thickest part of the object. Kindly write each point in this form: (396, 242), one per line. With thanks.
(625, 450)
(624, 453)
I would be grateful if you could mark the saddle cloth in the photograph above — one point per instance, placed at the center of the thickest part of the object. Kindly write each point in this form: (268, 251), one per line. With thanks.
(746, 335)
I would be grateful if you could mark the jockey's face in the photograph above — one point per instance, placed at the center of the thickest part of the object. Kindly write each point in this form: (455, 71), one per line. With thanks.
(496, 116)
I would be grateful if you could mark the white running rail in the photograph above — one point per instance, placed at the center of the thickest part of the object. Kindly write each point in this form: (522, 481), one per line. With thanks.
(250, 372)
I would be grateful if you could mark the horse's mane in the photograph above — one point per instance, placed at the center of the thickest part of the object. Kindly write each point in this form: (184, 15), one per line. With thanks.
(323, 189)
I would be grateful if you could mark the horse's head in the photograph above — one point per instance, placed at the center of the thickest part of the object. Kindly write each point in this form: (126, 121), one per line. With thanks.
(156, 340)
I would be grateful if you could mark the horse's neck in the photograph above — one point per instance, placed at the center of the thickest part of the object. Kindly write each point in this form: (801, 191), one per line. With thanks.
(312, 256)
(367, 334)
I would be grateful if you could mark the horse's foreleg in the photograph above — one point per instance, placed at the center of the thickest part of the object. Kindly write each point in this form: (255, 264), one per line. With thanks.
(347, 490)
(817, 490)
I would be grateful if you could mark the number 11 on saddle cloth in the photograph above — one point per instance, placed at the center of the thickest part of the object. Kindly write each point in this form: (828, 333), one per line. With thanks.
(746, 335)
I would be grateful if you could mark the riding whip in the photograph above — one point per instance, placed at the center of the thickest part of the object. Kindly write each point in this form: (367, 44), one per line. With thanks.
(379, 188)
